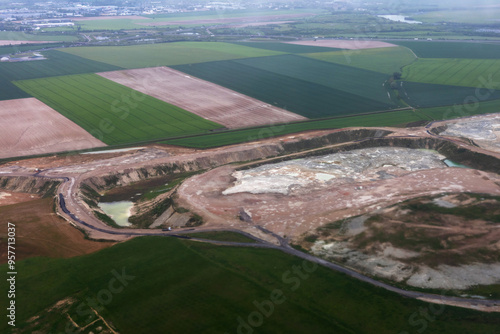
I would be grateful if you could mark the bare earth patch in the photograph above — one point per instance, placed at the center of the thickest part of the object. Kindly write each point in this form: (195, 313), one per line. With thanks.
(31, 127)
(308, 204)
(346, 44)
(40, 232)
(203, 98)
(10, 197)
(484, 130)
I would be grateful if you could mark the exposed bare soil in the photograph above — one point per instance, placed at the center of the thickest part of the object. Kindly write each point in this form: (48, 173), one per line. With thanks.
(446, 241)
(40, 232)
(31, 127)
(308, 207)
(483, 130)
(346, 44)
(203, 98)
(10, 197)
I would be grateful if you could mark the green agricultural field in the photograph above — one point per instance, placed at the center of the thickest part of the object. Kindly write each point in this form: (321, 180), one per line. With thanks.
(173, 286)
(11, 49)
(422, 95)
(111, 24)
(114, 113)
(287, 48)
(472, 16)
(167, 54)
(457, 72)
(21, 36)
(462, 110)
(366, 84)
(222, 14)
(57, 63)
(221, 236)
(383, 60)
(10, 91)
(392, 118)
(181, 19)
(303, 97)
(472, 50)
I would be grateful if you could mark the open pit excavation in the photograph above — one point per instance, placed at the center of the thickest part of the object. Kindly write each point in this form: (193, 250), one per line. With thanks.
(484, 131)
(292, 184)
(296, 196)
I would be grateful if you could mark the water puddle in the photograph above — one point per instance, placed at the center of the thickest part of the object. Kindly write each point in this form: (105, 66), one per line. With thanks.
(118, 211)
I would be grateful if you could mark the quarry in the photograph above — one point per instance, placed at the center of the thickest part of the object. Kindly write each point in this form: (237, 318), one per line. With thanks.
(483, 131)
(372, 200)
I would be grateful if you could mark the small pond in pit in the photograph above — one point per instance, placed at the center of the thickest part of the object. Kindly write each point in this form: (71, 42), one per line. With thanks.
(450, 163)
(118, 211)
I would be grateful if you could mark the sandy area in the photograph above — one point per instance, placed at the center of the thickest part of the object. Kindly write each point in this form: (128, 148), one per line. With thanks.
(159, 22)
(12, 42)
(346, 44)
(203, 98)
(31, 127)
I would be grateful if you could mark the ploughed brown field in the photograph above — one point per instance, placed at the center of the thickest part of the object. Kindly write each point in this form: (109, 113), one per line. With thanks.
(40, 232)
(31, 127)
(346, 44)
(203, 98)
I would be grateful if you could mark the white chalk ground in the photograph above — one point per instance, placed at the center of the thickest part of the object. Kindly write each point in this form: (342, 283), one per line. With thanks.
(483, 130)
(360, 165)
(115, 151)
(387, 265)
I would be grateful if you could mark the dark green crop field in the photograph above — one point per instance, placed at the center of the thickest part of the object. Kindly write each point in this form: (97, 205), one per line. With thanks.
(114, 113)
(425, 49)
(164, 285)
(57, 63)
(367, 85)
(303, 97)
(10, 49)
(287, 48)
(422, 95)
(383, 60)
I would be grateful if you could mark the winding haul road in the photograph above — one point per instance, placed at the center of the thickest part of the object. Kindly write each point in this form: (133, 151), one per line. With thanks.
(71, 208)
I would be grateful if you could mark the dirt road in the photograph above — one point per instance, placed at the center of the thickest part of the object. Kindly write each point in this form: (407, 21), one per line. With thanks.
(73, 209)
